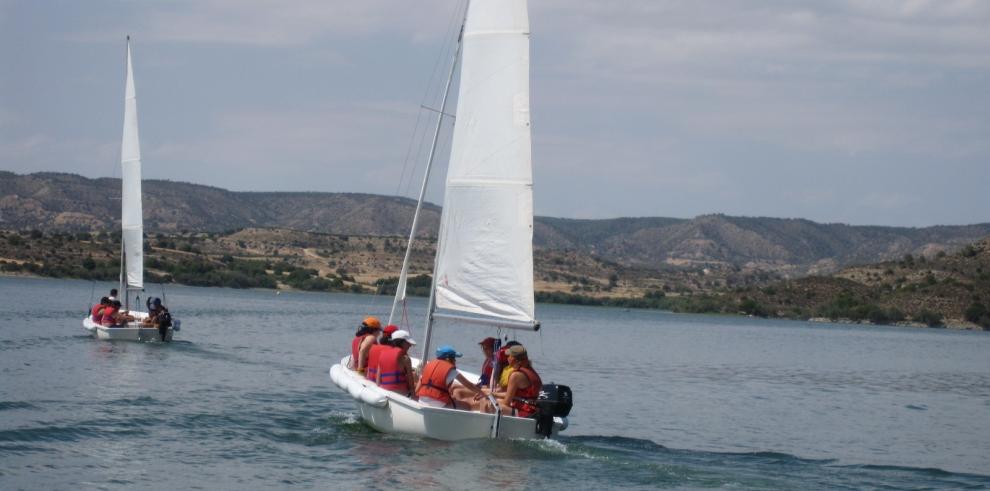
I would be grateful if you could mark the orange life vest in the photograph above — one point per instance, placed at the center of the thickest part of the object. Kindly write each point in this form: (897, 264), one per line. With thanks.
(107, 319)
(523, 398)
(356, 348)
(95, 312)
(374, 354)
(433, 383)
(391, 373)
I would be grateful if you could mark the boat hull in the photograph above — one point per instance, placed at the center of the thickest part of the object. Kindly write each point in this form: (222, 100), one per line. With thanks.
(389, 412)
(132, 331)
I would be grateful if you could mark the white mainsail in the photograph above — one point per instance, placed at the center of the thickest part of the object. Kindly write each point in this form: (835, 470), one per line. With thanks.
(485, 253)
(130, 161)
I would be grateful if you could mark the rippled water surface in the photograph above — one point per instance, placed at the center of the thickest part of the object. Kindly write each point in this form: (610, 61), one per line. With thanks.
(242, 400)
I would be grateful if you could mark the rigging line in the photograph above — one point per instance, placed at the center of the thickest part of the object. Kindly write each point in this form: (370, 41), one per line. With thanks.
(439, 63)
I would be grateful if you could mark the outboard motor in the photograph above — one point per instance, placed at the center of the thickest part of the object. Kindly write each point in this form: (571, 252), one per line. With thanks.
(554, 400)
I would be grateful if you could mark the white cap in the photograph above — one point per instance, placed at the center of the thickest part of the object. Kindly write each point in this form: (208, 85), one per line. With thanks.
(403, 335)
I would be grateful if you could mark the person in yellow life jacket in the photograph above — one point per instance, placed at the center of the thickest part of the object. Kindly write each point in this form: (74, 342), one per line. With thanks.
(394, 367)
(365, 337)
(437, 377)
(371, 368)
(524, 385)
(504, 368)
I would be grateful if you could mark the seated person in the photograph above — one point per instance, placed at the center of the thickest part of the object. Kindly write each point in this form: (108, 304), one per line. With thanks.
(437, 377)
(394, 367)
(523, 388)
(114, 317)
(488, 348)
(96, 313)
(155, 313)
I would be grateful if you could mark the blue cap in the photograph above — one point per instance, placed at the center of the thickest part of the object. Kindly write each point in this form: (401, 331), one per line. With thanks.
(447, 351)
(156, 301)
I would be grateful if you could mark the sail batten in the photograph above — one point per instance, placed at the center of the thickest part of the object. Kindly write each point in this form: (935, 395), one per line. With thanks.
(131, 220)
(485, 252)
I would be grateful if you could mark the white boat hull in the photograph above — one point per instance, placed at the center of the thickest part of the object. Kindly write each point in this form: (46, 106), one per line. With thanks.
(132, 331)
(389, 412)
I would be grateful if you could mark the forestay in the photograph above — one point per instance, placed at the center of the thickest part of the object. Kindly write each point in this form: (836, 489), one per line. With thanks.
(485, 256)
(130, 160)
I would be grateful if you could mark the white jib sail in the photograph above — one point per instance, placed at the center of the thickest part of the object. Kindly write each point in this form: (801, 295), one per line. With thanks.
(130, 161)
(485, 252)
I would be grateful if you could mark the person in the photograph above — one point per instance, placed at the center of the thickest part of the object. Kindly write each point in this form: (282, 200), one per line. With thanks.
(156, 313)
(364, 338)
(524, 385)
(488, 348)
(437, 377)
(96, 313)
(504, 369)
(371, 372)
(114, 317)
(394, 370)
(113, 294)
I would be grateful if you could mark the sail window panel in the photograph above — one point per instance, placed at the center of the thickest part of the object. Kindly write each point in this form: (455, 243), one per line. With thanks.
(485, 261)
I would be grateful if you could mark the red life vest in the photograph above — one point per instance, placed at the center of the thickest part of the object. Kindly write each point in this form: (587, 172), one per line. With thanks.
(374, 354)
(392, 376)
(356, 348)
(107, 318)
(433, 383)
(95, 314)
(525, 409)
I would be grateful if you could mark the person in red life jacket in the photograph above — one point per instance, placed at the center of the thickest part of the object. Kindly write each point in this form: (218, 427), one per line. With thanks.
(465, 394)
(96, 313)
(437, 377)
(371, 368)
(524, 385)
(364, 339)
(114, 317)
(394, 370)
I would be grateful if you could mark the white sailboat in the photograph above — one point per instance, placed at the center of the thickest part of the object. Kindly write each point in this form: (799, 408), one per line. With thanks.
(484, 266)
(132, 229)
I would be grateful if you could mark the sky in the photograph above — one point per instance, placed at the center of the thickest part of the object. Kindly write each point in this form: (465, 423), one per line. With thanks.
(862, 112)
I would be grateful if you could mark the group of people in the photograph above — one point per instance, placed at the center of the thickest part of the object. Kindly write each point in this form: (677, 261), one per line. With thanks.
(109, 313)
(382, 356)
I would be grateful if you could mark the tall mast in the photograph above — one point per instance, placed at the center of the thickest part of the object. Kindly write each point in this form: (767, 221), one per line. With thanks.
(400, 289)
(432, 302)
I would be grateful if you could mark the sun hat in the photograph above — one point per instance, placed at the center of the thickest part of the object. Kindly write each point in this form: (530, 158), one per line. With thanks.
(372, 323)
(447, 351)
(403, 335)
(390, 330)
(516, 350)
(488, 342)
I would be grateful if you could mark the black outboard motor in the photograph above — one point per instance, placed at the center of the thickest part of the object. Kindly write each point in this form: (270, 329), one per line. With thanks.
(554, 400)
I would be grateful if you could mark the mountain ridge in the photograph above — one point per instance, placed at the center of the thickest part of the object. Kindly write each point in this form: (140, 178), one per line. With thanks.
(53, 201)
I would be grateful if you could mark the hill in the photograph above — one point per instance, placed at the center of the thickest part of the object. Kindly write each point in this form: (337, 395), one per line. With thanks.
(721, 245)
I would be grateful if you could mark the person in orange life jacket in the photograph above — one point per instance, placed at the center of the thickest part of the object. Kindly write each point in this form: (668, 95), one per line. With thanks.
(438, 375)
(488, 348)
(524, 385)
(394, 367)
(371, 368)
(96, 313)
(364, 339)
(114, 317)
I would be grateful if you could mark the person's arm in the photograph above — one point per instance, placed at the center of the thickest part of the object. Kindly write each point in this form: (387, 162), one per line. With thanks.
(467, 383)
(363, 353)
(510, 390)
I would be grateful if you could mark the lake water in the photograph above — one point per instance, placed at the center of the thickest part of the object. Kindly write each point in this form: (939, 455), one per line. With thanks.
(242, 400)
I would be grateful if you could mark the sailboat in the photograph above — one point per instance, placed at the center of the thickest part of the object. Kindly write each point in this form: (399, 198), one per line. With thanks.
(132, 230)
(483, 271)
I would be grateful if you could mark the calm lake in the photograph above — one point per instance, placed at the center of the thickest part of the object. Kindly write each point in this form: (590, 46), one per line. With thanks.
(242, 400)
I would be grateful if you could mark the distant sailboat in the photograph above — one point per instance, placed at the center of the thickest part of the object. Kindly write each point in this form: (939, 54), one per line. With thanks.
(132, 229)
(484, 265)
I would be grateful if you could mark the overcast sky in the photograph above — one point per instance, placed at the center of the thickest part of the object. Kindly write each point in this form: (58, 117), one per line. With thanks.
(863, 112)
